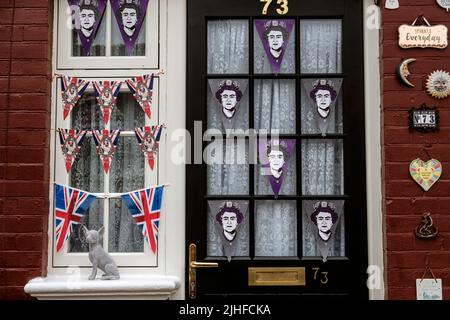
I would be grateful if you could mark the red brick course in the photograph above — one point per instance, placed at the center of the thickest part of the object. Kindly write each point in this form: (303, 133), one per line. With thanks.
(25, 73)
(405, 201)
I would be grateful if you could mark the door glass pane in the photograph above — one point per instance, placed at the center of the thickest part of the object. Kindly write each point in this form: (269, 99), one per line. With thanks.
(275, 105)
(323, 167)
(226, 237)
(93, 220)
(227, 170)
(321, 46)
(124, 233)
(227, 46)
(317, 234)
(310, 117)
(227, 104)
(276, 228)
(275, 49)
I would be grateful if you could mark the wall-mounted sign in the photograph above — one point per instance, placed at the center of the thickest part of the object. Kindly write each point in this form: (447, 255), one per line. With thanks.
(391, 4)
(429, 289)
(403, 71)
(444, 4)
(425, 36)
(424, 119)
(438, 84)
(426, 174)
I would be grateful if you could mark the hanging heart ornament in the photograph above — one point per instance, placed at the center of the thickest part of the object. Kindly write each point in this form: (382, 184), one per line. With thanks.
(426, 174)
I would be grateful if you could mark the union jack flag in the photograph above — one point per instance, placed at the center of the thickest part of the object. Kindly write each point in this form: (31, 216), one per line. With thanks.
(106, 93)
(70, 206)
(106, 142)
(145, 207)
(148, 138)
(72, 89)
(142, 90)
(71, 141)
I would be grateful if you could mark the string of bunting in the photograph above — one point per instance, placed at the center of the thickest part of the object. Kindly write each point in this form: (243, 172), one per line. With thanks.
(106, 92)
(72, 204)
(106, 142)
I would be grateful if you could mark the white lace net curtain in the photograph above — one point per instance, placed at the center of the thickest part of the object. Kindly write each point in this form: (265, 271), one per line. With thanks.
(275, 109)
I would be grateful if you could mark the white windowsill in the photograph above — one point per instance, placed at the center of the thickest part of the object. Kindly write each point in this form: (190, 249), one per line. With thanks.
(154, 287)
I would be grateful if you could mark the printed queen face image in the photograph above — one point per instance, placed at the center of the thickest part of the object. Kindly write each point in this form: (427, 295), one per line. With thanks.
(88, 16)
(129, 14)
(106, 98)
(142, 92)
(149, 144)
(70, 147)
(106, 147)
(324, 217)
(229, 100)
(276, 160)
(276, 42)
(229, 95)
(323, 95)
(276, 154)
(70, 95)
(275, 35)
(323, 101)
(229, 217)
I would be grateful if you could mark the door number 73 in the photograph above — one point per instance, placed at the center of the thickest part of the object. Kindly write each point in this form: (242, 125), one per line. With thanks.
(323, 275)
(282, 9)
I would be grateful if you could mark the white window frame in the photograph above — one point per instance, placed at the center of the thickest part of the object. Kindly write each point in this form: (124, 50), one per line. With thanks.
(65, 60)
(109, 68)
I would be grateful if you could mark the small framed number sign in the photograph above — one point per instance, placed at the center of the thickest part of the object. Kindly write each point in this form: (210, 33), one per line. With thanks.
(424, 119)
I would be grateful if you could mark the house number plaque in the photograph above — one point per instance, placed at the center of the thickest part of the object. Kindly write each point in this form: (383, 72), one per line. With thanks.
(282, 7)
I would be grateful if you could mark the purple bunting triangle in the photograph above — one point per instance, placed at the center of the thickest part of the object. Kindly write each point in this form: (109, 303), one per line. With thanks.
(274, 36)
(130, 15)
(88, 15)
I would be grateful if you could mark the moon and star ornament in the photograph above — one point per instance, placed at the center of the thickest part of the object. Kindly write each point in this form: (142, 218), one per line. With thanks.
(403, 71)
(438, 84)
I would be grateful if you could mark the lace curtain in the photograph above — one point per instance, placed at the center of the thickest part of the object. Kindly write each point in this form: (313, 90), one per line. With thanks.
(275, 109)
(126, 173)
(322, 160)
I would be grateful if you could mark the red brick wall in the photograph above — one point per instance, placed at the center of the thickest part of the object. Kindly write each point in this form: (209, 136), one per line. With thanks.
(25, 70)
(405, 201)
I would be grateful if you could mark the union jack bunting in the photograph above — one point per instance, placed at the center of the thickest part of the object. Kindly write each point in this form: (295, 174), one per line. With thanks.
(70, 206)
(145, 207)
(142, 90)
(106, 142)
(148, 138)
(106, 93)
(71, 141)
(72, 89)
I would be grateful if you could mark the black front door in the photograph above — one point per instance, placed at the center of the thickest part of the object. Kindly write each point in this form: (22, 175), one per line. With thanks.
(280, 204)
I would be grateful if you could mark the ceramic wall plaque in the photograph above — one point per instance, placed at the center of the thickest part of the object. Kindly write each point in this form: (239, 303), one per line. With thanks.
(424, 119)
(438, 84)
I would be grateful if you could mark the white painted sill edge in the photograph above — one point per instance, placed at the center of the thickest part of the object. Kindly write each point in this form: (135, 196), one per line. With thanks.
(128, 287)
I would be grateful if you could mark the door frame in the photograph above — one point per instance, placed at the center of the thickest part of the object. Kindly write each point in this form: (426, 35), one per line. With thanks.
(372, 145)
